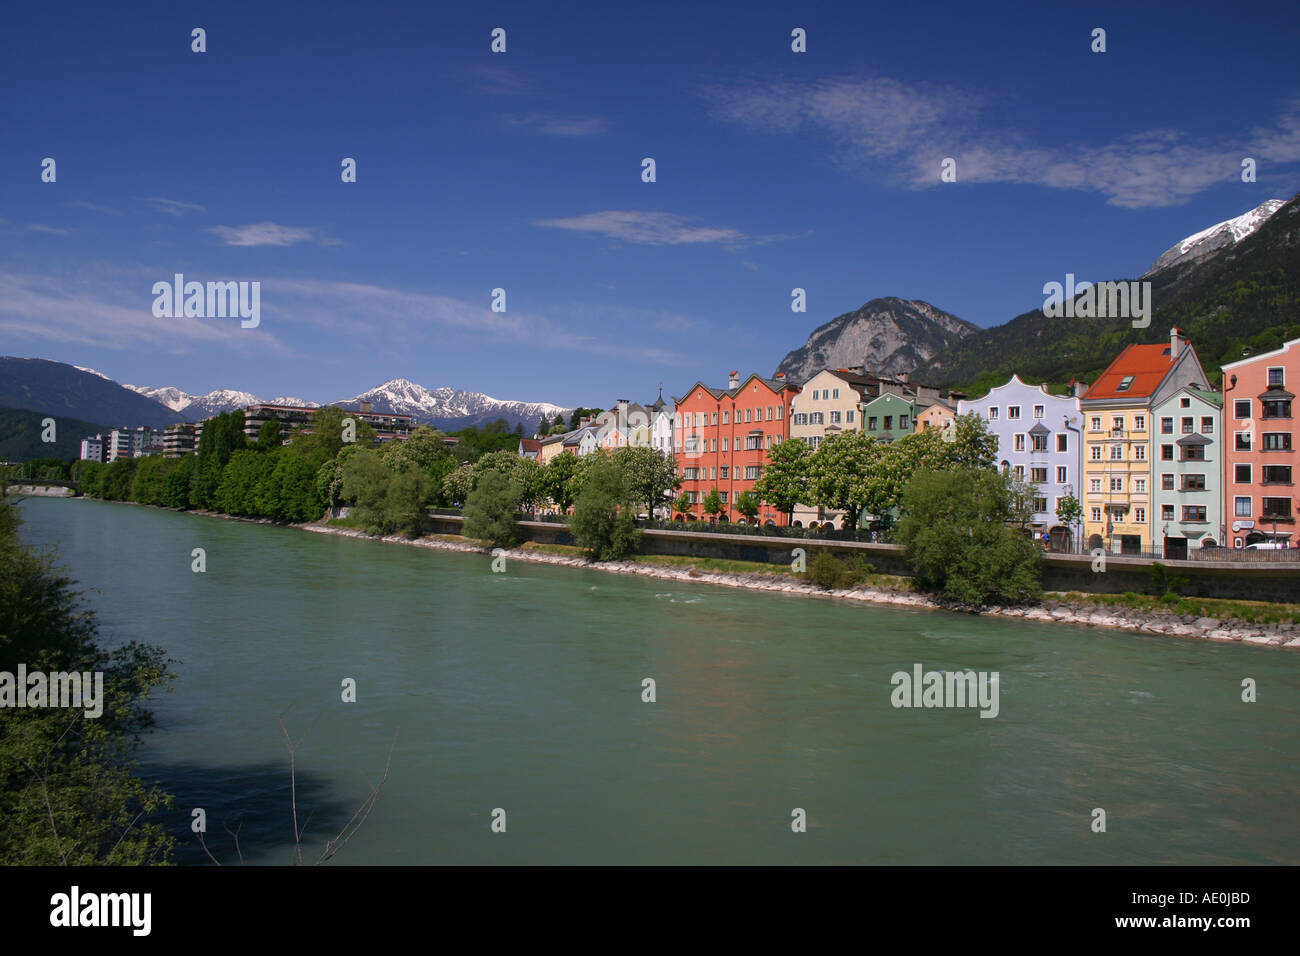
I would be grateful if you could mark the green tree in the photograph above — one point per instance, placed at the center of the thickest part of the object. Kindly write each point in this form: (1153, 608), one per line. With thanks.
(602, 521)
(69, 790)
(650, 474)
(747, 504)
(841, 473)
(558, 480)
(491, 510)
(268, 436)
(458, 483)
(785, 479)
(1069, 511)
(682, 504)
(386, 502)
(954, 532)
(712, 504)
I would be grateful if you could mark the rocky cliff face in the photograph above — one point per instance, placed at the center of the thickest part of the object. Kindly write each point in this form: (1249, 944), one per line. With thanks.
(887, 336)
(1209, 241)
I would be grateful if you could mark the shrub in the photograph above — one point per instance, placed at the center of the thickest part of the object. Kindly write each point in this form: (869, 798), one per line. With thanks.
(828, 571)
(603, 523)
(491, 508)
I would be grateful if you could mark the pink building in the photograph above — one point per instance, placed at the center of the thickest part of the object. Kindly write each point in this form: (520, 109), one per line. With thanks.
(1260, 460)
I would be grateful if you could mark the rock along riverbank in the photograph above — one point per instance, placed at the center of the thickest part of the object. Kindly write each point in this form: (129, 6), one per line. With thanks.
(1051, 611)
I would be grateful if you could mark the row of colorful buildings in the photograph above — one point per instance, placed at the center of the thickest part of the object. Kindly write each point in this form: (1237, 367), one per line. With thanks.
(1160, 461)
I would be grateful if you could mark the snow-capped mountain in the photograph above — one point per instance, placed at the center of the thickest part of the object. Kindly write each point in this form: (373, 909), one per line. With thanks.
(82, 368)
(1217, 237)
(291, 400)
(172, 397)
(450, 408)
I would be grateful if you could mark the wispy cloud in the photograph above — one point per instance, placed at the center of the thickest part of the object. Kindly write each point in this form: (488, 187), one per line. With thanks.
(173, 207)
(52, 230)
(115, 314)
(93, 207)
(659, 229)
(554, 124)
(269, 234)
(877, 124)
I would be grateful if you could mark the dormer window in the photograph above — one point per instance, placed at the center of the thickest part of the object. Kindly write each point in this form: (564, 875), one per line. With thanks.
(1125, 384)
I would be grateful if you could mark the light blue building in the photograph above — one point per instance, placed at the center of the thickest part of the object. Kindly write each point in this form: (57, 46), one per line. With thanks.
(1039, 440)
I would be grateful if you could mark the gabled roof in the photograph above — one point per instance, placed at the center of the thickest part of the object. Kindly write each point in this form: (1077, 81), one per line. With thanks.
(1040, 429)
(530, 444)
(1136, 373)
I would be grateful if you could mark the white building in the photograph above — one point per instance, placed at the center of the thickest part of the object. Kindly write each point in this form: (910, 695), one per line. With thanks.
(92, 449)
(119, 444)
(1039, 440)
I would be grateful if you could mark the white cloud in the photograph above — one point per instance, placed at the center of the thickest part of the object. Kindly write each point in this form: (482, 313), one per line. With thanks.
(268, 234)
(553, 124)
(647, 228)
(52, 230)
(173, 207)
(880, 125)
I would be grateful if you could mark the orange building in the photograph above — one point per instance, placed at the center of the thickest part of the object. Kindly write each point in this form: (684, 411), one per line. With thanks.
(721, 438)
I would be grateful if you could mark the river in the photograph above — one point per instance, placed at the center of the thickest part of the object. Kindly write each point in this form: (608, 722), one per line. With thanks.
(522, 692)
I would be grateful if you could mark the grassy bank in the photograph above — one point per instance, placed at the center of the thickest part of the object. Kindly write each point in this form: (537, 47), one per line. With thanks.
(1252, 612)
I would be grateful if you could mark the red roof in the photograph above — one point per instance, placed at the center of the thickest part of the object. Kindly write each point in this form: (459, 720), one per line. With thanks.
(1146, 364)
(531, 444)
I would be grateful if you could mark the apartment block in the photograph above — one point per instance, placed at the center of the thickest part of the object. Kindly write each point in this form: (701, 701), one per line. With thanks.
(1187, 465)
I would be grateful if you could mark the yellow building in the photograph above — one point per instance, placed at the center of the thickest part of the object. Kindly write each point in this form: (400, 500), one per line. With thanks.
(1118, 421)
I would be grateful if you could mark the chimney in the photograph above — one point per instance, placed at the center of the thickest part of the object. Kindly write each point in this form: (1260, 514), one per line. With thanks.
(780, 374)
(733, 379)
(1176, 342)
(902, 377)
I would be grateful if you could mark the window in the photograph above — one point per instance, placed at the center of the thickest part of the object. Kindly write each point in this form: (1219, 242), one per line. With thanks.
(1013, 412)
(1116, 423)
(1207, 424)
(993, 414)
(888, 423)
(1096, 514)
(818, 418)
(1116, 452)
(1038, 475)
(1038, 411)
(690, 474)
(780, 411)
(1166, 482)
(1166, 512)
(848, 416)
(1140, 515)
(1095, 425)
(1096, 453)
(816, 393)
(1241, 507)
(749, 414)
(1276, 408)
(1184, 403)
(1020, 442)
(693, 497)
(726, 418)
(814, 441)
(713, 474)
(902, 421)
(1193, 483)
(725, 471)
(1166, 452)
(1243, 441)
(1063, 442)
(1242, 407)
(1277, 474)
(724, 444)
(1117, 484)
(1020, 472)
(1276, 376)
(753, 441)
(1194, 453)
(1040, 505)
(753, 472)
(1187, 425)
(835, 393)
(1060, 475)
(871, 423)
(770, 412)
(835, 418)
(723, 496)
(769, 441)
(799, 418)
(1166, 426)
(1277, 441)
(1039, 442)
(1139, 452)
(1124, 384)
(713, 444)
(1139, 423)
(1094, 485)
(1275, 508)
(714, 418)
(1241, 474)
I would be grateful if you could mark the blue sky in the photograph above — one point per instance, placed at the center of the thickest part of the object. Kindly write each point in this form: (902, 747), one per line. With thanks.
(522, 171)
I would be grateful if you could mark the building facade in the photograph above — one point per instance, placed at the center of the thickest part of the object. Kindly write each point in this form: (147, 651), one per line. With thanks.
(721, 437)
(92, 449)
(1187, 464)
(1118, 503)
(1040, 440)
(1259, 448)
